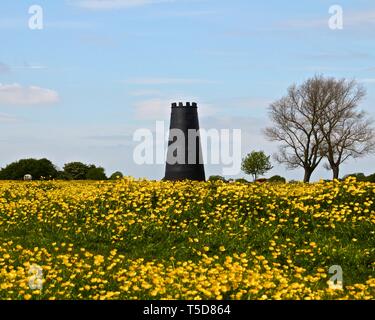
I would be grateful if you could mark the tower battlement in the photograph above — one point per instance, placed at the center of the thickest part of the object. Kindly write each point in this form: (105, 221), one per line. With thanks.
(186, 105)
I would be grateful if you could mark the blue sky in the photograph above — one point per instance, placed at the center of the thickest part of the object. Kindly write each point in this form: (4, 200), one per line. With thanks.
(101, 69)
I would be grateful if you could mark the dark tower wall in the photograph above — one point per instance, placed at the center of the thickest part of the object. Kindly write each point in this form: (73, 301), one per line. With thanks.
(185, 117)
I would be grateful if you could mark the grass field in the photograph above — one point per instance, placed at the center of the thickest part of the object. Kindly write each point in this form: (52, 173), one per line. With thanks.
(159, 240)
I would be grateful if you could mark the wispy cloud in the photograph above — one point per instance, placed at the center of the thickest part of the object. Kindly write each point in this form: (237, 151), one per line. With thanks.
(6, 118)
(251, 103)
(114, 137)
(21, 24)
(339, 55)
(98, 40)
(68, 25)
(113, 4)
(351, 19)
(152, 109)
(4, 68)
(15, 94)
(159, 108)
(146, 93)
(30, 66)
(185, 14)
(11, 23)
(367, 80)
(168, 81)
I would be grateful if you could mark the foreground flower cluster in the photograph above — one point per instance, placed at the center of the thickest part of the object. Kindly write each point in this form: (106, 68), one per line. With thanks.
(160, 240)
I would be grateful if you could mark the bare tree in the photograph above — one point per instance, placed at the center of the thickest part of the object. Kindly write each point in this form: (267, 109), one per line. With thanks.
(297, 127)
(347, 132)
(320, 119)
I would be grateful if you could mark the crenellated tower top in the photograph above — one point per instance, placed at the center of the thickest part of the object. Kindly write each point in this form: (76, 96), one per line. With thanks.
(186, 105)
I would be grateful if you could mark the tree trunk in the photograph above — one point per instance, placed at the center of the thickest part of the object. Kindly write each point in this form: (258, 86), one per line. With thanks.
(335, 170)
(308, 173)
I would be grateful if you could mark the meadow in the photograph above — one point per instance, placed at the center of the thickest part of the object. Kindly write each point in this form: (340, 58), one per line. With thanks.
(138, 239)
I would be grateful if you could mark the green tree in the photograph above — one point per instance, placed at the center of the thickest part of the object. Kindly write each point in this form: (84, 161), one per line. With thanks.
(39, 169)
(96, 173)
(76, 170)
(256, 164)
(62, 175)
(116, 175)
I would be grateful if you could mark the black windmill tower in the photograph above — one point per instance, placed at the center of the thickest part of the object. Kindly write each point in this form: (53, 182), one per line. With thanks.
(184, 118)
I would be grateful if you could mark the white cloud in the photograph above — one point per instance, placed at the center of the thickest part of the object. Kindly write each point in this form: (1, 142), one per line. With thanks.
(113, 4)
(15, 94)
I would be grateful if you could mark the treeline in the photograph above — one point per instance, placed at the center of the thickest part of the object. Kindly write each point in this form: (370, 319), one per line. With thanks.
(278, 179)
(44, 169)
(361, 177)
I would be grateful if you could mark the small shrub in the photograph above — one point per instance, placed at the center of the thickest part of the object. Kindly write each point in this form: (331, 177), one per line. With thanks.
(277, 179)
(116, 175)
(359, 176)
(217, 178)
(263, 180)
(371, 178)
(242, 180)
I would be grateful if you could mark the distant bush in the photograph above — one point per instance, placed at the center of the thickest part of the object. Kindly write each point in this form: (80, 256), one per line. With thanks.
(82, 171)
(96, 173)
(62, 175)
(77, 170)
(116, 175)
(359, 176)
(217, 178)
(294, 181)
(277, 179)
(241, 180)
(371, 178)
(263, 180)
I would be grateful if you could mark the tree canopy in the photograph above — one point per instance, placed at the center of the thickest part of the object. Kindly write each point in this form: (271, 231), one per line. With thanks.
(41, 169)
(256, 164)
